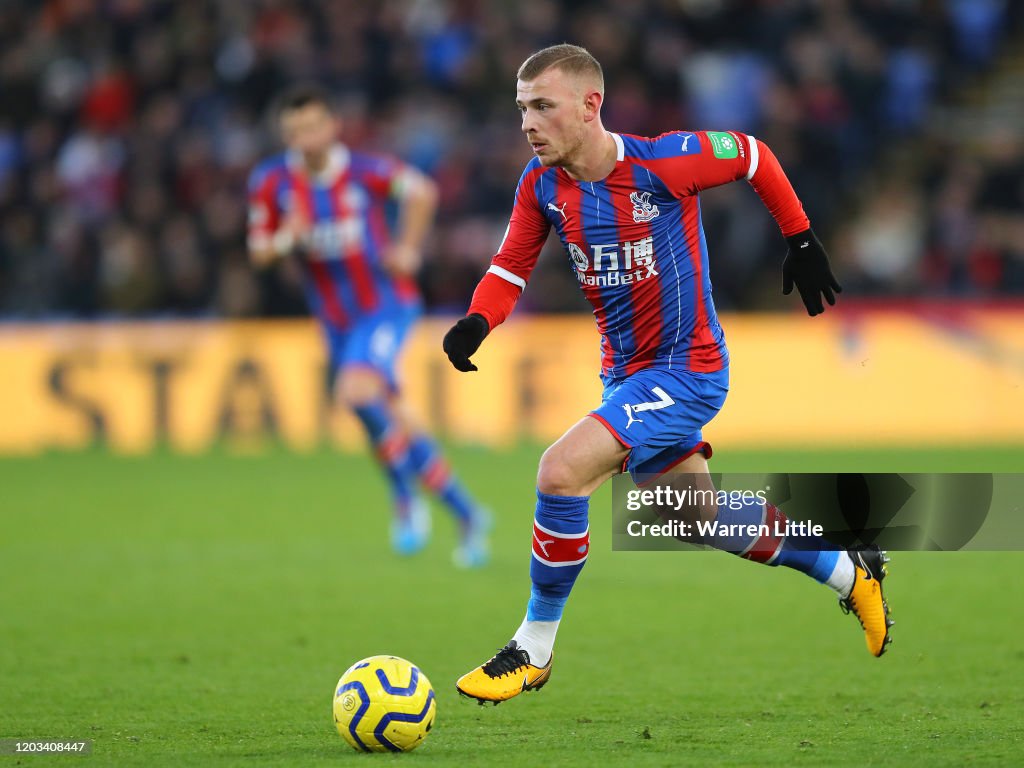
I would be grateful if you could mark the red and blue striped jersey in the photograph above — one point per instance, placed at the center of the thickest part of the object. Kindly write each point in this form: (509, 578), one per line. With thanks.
(636, 244)
(346, 203)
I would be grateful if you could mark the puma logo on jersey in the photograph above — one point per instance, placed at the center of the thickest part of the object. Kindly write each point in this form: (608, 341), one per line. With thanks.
(553, 207)
(643, 208)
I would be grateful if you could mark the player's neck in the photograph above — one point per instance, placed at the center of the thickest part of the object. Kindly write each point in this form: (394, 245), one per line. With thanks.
(316, 163)
(596, 159)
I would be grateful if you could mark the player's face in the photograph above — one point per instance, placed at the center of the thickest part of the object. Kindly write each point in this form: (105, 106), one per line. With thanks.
(552, 106)
(310, 130)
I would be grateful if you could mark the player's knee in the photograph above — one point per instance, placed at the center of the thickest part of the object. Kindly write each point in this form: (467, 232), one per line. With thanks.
(556, 476)
(358, 386)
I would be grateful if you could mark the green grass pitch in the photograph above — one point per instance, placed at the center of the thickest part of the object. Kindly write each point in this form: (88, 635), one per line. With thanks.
(193, 611)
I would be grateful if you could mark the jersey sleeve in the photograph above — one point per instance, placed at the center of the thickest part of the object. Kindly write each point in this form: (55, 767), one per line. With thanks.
(386, 176)
(510, 269)
(772, 186)
(702, 160)
(722, 157)
(264, 216)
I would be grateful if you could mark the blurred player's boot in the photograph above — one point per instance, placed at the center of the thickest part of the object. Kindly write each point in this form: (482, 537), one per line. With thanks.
(411, 532)
(507, 674)
(866, 600)
(473, 550)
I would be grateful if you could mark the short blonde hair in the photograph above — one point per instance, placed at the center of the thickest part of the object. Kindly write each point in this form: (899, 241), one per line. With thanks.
(571, 59)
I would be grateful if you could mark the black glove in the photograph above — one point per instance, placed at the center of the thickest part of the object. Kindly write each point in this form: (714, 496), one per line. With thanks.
(807, 265)
(464, 339)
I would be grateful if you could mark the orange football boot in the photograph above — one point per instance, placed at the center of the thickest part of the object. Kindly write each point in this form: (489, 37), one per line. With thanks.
(866, 600)
(507, 674)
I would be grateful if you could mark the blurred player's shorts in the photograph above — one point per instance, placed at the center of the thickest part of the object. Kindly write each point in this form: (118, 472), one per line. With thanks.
(659, 413)
(373, 341)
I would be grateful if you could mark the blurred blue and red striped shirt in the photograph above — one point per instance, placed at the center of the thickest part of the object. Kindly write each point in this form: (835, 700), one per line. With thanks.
(346, 203)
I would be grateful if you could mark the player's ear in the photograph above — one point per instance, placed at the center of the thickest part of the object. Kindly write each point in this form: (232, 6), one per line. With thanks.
(592, 101)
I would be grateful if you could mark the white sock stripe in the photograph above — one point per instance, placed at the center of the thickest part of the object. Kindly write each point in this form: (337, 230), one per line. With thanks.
(842, 576)
(504, 274)
(537, 638)
(754, 157)
(559, 563)
(558, 535)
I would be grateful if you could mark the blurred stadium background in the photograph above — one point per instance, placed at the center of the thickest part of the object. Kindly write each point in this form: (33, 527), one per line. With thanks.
(128, 129)
(131, 323)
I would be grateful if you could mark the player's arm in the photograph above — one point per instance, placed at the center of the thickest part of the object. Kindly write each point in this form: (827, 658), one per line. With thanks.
(417, 203)
(271, 237)
(500, 288)
(730, 156)
(806, 264)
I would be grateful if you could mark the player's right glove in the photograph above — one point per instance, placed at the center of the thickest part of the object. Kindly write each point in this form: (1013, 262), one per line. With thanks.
(464, 339)
(807, 265)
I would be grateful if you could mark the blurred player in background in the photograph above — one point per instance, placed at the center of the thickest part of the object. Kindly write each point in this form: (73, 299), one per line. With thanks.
(627, 212)
(328, 206)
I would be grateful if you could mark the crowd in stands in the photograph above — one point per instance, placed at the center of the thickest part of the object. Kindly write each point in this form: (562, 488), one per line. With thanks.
(128, 129)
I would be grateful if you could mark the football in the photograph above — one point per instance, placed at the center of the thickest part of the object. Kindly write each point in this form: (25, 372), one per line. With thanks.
(384, 704)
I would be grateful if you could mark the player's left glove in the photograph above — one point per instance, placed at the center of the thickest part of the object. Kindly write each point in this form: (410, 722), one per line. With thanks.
(807, 266)
(464, 339)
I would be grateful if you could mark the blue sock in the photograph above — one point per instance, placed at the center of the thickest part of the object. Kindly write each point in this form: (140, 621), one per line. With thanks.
(391, 447)
(812, 555)
(561, 543)
(433, 471)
